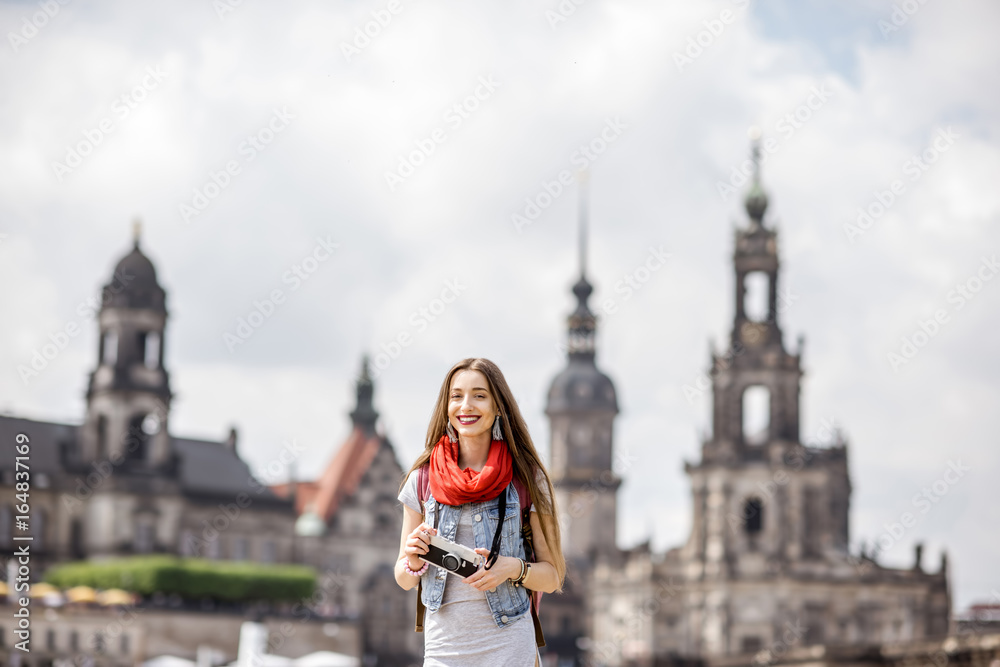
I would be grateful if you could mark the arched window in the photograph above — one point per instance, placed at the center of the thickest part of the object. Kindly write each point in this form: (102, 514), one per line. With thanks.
(753, 512)
(137, 440)
(6, 524)
(38, 525)
(144, 538)
(109, 348)
(756, 414)
(76, 546)
(151, 353)
(815, 515)
(189, 543)
(212, 547)
(102, 437)
(756, 296)
(240, 548)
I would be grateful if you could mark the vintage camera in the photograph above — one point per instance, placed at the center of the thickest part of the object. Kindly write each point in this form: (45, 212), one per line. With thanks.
(452, 557)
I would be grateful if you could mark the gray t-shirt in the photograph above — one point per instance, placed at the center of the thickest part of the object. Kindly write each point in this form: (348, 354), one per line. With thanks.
(462, 633)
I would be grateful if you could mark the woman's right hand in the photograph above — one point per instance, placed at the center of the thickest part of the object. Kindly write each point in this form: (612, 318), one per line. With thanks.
(417, 544)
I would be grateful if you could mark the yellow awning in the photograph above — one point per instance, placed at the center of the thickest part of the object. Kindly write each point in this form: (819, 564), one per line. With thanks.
(114, 596)
(42, 589)
(81, 594)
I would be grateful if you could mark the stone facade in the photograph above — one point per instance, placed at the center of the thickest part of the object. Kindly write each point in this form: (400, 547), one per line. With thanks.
(766, 569)
(767, 566)
(121, 484)
(348, 526)
(127, 636)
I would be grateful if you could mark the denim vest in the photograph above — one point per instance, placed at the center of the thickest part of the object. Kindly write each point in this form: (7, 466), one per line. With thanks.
(507, 601)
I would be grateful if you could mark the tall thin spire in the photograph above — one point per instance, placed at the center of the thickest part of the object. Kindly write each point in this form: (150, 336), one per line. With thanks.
(583, 178)
(364, 414)
(582, 323)
(136, 230)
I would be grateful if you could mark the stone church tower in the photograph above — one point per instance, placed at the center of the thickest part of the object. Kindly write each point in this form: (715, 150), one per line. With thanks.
(120, 483)
(581, 407)
(766, 567)
(764, 504)
(128, 396)
(789, 503)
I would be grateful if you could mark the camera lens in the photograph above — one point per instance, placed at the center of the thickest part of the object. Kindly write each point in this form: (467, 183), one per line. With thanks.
(450, 562)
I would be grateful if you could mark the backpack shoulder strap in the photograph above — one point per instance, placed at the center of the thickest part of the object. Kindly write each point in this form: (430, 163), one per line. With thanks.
(523, 495)
(423, 491)
(423, 484)
(419, 624)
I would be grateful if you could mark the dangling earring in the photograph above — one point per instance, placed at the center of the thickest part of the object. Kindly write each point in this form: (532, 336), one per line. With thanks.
(497, 433)
(450, 430)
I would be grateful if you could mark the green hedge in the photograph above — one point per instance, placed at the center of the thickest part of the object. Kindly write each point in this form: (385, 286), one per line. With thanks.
(191, 578)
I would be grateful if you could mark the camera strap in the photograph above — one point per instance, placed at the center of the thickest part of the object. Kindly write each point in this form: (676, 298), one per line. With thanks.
(495, 548)
(424, 491)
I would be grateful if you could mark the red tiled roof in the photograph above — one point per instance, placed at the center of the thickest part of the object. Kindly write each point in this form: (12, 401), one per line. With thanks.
(344, 473)
(305, 493)
(339, 480)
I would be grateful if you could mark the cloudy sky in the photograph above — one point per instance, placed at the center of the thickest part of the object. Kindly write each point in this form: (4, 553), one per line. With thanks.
(425, 156)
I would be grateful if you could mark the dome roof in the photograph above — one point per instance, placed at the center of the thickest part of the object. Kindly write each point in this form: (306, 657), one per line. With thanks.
(134, 284)
(138, 265)
(581, 387)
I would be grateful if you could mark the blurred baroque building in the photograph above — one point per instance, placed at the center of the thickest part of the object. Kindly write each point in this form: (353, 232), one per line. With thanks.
(121, 484)
(765, 572)
(767, 566)
(348, 526)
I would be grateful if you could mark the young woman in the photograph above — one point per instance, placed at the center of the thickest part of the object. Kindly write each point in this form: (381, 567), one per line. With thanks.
(477, 445)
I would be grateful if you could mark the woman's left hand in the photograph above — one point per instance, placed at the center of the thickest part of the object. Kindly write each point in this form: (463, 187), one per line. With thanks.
(506, 567)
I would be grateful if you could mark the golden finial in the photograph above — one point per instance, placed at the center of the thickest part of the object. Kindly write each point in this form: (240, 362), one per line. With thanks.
(136, 230)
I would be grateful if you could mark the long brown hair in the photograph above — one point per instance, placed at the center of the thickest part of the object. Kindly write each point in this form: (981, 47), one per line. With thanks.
(527, 463)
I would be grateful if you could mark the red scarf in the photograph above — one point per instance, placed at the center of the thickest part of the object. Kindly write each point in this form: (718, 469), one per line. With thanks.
(454, 486)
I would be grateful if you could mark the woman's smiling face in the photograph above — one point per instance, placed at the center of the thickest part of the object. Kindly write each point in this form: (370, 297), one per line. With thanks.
(471, 409)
